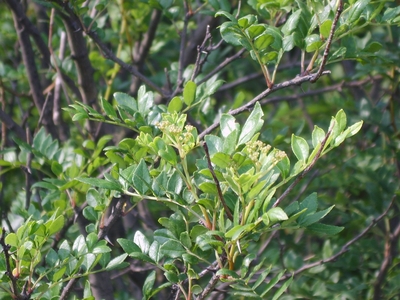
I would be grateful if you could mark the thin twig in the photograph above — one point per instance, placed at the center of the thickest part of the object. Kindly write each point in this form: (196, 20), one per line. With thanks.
(200, 51)
(329, 42)
(220, 196)
(209, 288)
(67, 289)
(343, 250)
(222, 65)
(296, 81)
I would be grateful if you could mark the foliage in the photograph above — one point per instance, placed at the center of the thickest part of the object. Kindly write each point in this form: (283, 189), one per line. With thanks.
(144, 118)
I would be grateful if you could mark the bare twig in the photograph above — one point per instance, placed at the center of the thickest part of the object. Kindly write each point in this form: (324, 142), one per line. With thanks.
(222, 65)
(389, 253)
(200, 51)
(328, 42)
(220, 196)
(67, 289)
(343, 250)
(209, 288)
(293, 82)
(107, 53)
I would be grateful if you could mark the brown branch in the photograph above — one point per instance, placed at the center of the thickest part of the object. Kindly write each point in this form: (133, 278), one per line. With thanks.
(389, 253)
(117, 213)
(200, 50)
(107, 53)
(220, 196)
(296, 81)
(67, 289)
(12, 126)
(144, 46)
(209, 288)
(343, 250)
(28, 57)
(329, 42)
(306, 170)
(222, 65)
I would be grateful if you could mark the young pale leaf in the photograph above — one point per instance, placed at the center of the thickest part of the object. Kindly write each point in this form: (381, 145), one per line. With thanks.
(246, 21)
(237, 230)
(300, 148)
(325, 28)
(318, 136)
(189, 92)
(276, 214)
(253, 124)
(354, 129)
(175, 105)
(228, 124)
(341, 120)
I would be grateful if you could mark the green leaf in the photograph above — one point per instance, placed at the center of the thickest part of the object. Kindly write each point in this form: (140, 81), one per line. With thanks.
(325, 28)
(124, 100)
(149, 284)
(12, 240)
(226, 15)
(56, 225)
(175, 105)
(189, 92)
(108, 109)
(276, 214)
(263, 41)
(117, 262)
(313, 42)
(235, 232)
(141, 240)
(310, 202)
(101, 183)
(354, 129)
(282, 289)
(300, 148)
(318, 135)
(307, 220)
(291, 23)
(246, 21)
(172, 249)
(356, 10)
(325, 229)
(272, 283)
(341, 120)
(228, 125)
(141, 178)
(93, 198)
(128, 246)
(252, 125)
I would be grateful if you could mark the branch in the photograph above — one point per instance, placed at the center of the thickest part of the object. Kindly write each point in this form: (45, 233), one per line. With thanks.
(222, 65)
(12, 126)
(107, 53)
(389, 254)
(220, 196)
(329, 42)
(296, 81)
(343, 250)
(209, 288)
